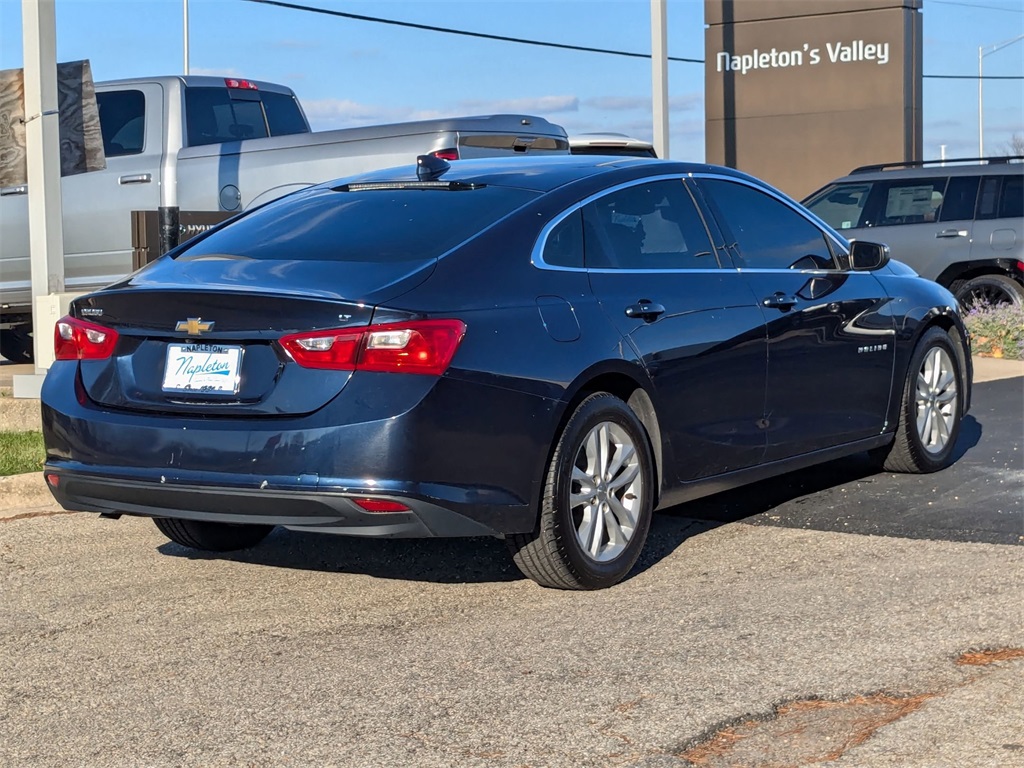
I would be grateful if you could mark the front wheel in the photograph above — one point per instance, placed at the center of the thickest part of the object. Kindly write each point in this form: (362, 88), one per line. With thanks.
(931, 410)
(989, 290)
(598, 501)
(212, 537)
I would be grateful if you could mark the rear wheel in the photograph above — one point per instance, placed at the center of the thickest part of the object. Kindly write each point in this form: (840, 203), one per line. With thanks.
(213, 537)
(597, 504)
(931, 409)
(990, 290)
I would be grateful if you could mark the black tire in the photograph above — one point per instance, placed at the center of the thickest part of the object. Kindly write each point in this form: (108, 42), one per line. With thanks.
(914, 452)
(988, 289)
(554, 555)
(212, 537)
(16, 345)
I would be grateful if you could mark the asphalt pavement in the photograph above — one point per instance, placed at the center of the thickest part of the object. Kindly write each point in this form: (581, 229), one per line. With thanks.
(836, 616)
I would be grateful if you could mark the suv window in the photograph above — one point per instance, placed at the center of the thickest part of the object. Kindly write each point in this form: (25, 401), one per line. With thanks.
(958, 204)
(654, 225)
(768, 233)
(323, 224)
(1012, 204)
(841, 206)
(122, 122)
(907, 201)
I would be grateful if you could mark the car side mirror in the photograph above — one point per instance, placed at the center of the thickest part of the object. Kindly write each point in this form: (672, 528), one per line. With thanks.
(865, 256)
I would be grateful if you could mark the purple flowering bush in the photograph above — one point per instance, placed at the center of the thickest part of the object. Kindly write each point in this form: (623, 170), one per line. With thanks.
(997, 331)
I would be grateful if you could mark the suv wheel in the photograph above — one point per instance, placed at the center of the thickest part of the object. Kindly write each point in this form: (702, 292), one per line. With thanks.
(990, 290)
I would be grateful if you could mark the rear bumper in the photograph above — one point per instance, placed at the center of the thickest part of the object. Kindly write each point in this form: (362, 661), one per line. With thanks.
(305, 510)
(466, 458)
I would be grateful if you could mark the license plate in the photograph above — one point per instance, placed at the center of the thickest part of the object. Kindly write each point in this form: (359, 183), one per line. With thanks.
(202, 368)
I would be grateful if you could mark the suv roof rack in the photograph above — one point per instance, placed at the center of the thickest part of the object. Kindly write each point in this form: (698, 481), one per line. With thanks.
(923, 163)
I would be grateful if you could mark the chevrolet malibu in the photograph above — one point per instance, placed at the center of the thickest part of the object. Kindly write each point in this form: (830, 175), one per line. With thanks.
(545, 351)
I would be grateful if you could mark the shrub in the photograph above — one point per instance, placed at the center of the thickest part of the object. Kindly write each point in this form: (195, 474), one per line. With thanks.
(997, 331)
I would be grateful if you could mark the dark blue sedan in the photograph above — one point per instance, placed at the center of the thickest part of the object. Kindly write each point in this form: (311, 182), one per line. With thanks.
(545, 350)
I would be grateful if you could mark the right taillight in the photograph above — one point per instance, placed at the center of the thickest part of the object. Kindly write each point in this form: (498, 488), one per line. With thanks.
(419, 346)
(448, 153)
(75, 339)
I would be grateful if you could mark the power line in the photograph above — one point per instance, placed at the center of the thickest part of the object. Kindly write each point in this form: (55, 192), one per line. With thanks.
(975, 77)
(984, 7)
(464, 33)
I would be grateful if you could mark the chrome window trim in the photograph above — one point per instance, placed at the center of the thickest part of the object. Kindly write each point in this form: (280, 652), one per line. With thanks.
(537, 255)
(798, 209)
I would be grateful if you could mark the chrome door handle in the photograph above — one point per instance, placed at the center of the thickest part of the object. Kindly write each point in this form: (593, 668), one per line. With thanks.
(779, 300)
(952, 233)
(135, 178)
(20, 189)
(646, 310)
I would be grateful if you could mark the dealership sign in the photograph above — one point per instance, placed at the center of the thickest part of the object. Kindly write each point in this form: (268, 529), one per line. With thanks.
(835, 53)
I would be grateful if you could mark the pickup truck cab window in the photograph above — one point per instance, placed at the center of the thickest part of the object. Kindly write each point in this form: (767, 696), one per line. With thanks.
(216, 115)
(122, 122)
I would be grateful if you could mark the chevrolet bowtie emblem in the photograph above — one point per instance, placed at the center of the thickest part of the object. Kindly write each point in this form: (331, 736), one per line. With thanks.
(193, 326)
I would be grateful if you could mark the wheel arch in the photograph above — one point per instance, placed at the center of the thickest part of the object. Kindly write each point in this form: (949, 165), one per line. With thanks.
(949, 321)
(962, 271)
(630, 384)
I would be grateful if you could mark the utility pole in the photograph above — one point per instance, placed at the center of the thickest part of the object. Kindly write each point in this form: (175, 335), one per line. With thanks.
(42, 157)
(659, 77)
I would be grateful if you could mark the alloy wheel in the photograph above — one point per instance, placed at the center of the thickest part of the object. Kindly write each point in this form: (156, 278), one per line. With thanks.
(936, 406)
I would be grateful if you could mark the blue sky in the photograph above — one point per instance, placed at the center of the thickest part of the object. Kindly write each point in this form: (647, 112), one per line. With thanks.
(350, 72)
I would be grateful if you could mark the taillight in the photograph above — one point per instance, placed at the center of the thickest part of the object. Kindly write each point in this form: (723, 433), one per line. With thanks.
(418, 346)
(75, 339)
(246, 85)
(448, 153)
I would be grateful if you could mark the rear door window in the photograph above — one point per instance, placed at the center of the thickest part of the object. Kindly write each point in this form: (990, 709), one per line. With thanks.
(654, 225)
(122, 122)
(958, 203)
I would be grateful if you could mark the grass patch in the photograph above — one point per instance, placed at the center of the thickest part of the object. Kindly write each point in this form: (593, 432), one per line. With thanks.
(997, 331)
(21, 452)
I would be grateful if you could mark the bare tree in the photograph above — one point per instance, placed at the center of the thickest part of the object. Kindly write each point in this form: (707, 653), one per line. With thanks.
(1015, 146)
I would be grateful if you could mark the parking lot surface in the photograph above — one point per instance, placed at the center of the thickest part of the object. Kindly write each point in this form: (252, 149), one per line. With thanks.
(834, 614)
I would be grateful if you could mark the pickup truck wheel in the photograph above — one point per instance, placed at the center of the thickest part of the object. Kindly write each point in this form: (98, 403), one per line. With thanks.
(212, 537)
(16, 345)
(597, 504)
(931, 409)
(992, 290)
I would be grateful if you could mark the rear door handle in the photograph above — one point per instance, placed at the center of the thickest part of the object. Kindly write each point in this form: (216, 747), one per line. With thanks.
(646, 310)
(779, 300)
(952, 233)
(135, 178)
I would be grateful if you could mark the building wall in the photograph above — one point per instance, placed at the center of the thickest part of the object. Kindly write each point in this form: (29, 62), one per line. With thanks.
(799, 92)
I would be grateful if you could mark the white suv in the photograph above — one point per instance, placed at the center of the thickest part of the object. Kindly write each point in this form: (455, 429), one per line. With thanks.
(958, 222)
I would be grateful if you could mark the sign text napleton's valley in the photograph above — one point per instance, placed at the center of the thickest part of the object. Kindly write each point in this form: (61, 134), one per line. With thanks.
(834, 53)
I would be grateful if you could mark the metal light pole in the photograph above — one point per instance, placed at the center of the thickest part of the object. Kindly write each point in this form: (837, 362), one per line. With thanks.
(185, 24)
(659, 77)
(982, 53)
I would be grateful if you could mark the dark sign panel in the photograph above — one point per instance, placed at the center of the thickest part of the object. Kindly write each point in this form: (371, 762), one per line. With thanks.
(799, 92)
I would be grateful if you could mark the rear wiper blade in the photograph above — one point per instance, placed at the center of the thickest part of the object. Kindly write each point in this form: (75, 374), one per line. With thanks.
(369, 186)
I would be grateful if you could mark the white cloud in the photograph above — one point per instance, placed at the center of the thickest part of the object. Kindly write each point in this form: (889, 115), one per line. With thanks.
(540, 104)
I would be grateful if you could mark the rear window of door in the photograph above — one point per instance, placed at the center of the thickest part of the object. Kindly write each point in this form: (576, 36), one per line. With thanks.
(768, 234)
(653, 225)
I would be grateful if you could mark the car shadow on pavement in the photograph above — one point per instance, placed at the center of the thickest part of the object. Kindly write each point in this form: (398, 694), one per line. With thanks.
(483, 560)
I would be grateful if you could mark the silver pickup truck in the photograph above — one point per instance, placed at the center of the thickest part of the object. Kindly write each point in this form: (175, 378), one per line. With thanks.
(215, 144)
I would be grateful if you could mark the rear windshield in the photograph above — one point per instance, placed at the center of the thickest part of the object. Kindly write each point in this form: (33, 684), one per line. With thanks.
(215, 115)
(367, 226)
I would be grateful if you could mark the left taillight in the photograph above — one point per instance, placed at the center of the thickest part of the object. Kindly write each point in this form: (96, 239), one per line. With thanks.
(419, 346)
(75, 339)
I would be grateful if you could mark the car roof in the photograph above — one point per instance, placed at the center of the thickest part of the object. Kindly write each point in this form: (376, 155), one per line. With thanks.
(545, 173)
